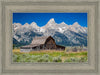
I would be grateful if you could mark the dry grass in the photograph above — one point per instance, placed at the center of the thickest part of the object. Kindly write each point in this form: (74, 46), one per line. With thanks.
(54, 53)
(46, 51)
(16, 50)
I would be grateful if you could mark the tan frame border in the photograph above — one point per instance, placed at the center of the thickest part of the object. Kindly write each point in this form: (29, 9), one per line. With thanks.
(9, 7)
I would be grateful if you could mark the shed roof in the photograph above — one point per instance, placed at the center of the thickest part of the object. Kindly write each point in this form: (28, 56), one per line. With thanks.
(31, 45)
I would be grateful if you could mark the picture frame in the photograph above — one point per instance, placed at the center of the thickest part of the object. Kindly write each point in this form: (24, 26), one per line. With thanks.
(8, 67)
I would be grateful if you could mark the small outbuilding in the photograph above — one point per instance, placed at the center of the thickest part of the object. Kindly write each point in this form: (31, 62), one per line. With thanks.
(42, 43)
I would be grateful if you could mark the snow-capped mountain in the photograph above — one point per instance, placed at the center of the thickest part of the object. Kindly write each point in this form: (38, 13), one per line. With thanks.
(77, 28)
(52, 25)
(63, 26)
(67, 35)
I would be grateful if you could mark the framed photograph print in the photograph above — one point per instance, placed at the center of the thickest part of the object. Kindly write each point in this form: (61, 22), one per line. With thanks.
(53, 42)
(49, 37)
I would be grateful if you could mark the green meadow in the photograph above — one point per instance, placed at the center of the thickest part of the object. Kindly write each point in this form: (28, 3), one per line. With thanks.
(49, 56)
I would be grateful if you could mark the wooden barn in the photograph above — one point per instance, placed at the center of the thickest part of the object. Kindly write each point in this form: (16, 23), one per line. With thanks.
(42, 43)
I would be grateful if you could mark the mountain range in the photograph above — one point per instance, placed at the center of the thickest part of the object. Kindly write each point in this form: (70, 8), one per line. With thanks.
(66, 35)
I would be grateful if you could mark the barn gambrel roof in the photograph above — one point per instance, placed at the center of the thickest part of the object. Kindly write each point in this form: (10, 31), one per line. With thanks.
(38, 41)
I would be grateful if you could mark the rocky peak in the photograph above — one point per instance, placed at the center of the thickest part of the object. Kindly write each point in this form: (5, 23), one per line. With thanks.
(76, 24)
(34, 25)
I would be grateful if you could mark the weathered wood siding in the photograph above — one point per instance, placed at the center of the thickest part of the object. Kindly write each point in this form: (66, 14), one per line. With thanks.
(50, 44)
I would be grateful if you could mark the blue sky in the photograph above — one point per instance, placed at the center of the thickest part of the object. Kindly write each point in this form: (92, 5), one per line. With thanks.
(42, 18)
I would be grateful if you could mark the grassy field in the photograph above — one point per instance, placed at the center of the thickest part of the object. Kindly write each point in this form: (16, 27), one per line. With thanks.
(49, 56)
